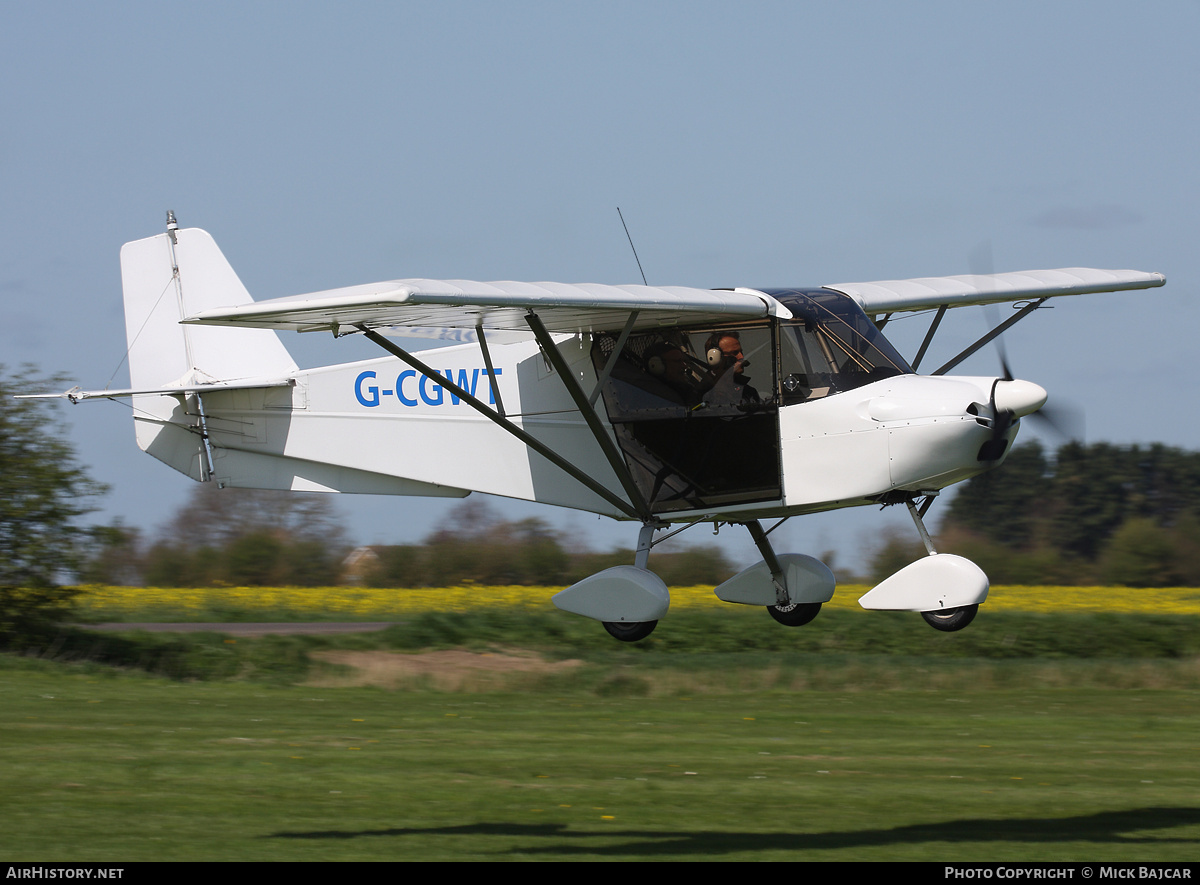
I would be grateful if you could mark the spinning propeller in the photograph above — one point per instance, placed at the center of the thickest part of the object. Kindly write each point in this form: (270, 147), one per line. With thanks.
(1064, 420)
(1017, 399)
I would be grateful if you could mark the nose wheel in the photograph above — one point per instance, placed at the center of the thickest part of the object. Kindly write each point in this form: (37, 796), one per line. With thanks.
(951, 619)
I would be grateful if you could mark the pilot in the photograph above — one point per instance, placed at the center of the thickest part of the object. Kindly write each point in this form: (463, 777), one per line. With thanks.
(725, 382)
(672, 366)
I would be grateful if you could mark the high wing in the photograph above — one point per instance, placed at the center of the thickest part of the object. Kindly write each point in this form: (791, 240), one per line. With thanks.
(564, 307)
(894, 296)
(462, 304)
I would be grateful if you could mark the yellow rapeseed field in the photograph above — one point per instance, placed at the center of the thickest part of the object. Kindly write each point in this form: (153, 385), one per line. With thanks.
(360, 603)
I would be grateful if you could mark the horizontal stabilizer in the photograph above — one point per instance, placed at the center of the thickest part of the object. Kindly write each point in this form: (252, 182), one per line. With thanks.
(77, 395)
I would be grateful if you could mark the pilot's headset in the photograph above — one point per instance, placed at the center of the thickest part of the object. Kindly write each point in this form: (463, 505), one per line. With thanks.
(712, 350)
(655, 364)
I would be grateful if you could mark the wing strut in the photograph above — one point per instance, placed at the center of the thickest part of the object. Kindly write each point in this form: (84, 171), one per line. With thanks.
(1024, 312)
(487, 361)
(533, 443)
(589, 414)
(612, 358)
(933, 327)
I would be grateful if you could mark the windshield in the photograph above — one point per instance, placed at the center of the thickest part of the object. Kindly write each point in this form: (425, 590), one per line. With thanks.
(830, 346)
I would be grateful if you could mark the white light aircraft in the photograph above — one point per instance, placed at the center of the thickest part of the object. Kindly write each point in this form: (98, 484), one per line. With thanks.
(668, 406)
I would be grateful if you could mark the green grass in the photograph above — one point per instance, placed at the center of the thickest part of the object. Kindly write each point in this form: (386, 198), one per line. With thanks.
(688, 641)
(725, 736)
(111, 765)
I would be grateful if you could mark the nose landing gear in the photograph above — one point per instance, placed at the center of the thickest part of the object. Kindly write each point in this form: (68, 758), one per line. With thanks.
(951, 619)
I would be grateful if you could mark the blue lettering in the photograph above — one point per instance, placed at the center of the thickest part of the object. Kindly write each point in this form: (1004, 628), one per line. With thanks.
(373, 391)
(449, 373)
(467, 384)
(470, 386)
(468, 379)
(407, 400)
(425, 394)
(491, 392)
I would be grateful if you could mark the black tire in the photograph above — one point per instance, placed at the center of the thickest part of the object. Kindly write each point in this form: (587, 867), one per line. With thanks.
(630, 631)
(951, 619)
(795, 615)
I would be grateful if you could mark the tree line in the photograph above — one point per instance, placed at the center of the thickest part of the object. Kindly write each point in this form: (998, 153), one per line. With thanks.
(473, 545)
(245, 537)
(1094, 514)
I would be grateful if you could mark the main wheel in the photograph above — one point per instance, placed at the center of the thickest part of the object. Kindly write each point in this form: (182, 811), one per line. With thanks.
(630, 631)
(795, 615)
(951, 619)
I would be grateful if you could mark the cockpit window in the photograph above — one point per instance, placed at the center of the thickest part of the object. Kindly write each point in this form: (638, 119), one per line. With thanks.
(723, 372)
(695, 413)
(829, 346)
(696, 410)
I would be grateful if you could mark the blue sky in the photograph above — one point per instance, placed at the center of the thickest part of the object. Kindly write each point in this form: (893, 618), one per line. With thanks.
(748, 144)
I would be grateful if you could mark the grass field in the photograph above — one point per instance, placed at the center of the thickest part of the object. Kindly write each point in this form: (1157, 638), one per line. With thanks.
(1071, 735)
(132, 768)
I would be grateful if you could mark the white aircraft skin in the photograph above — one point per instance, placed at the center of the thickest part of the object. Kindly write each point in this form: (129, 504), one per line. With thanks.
(909, 432)
(229, 405)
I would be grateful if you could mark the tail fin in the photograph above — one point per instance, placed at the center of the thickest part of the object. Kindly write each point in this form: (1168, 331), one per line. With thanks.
(176, 274)
(166, 278)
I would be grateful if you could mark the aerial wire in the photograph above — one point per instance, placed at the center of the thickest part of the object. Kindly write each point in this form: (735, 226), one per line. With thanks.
(633, 247)
(139, 333)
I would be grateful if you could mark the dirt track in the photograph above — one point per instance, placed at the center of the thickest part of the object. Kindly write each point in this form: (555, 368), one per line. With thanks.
(451, 669)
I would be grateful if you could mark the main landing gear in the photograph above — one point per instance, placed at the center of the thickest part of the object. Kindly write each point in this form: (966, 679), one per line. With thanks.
(786, 611)
(797, 614)
(790, 586)
(630, 599)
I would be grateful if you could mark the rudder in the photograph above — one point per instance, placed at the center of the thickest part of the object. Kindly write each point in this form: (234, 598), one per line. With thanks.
(161, 350)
